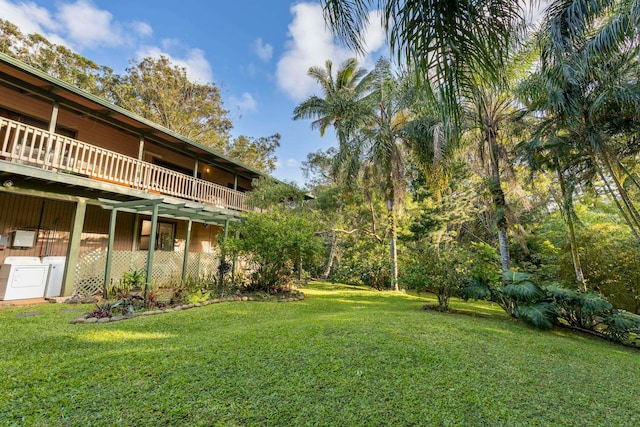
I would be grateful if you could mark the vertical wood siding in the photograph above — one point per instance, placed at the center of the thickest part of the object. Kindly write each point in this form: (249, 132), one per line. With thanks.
(96, 229)
(22, 212)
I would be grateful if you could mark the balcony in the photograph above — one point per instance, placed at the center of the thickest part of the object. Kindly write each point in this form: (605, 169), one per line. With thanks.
(32, 146)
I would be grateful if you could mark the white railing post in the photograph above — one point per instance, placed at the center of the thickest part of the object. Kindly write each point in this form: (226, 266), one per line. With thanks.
(49, 150)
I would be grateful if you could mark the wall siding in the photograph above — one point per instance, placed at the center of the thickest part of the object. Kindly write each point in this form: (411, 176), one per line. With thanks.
(25, 104)
(22, 212)
(97, 133)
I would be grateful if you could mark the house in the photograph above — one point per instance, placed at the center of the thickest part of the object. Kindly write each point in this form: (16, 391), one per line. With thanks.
(93, 190)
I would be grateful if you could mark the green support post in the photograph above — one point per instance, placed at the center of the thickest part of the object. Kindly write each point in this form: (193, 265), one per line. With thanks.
(112, 233)
(187, 242)
(73, 250)
(152, 248)
(223, 255)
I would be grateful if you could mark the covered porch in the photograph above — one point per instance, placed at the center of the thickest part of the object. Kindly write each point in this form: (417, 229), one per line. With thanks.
(161, 208)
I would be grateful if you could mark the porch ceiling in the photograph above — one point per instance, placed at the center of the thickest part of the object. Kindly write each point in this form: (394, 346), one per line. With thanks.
(182, 211)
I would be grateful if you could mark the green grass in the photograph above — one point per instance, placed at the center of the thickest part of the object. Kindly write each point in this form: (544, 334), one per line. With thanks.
(344, 356)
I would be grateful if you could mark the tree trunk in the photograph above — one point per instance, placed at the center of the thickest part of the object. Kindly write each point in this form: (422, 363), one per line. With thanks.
(393, 253)
(633, 213)
(332, 254)
(497, 194)
(573, 244)
(503, 244)
(634, 231)
(575, 255)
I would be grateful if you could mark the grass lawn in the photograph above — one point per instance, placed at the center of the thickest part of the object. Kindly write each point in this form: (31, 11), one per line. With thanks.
(344, 356)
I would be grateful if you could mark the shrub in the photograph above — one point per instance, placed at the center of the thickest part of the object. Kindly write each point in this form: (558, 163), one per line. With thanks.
(130, 281)
(578, 309)
(442, 272)
(542, 307)
(101, 311)
(364, 261)
(618, 325)
(275, 242)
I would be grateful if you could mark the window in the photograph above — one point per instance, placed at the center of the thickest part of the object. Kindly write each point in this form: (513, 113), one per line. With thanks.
(165, 235)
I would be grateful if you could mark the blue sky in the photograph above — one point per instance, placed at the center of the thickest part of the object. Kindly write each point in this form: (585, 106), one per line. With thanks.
(256, 52)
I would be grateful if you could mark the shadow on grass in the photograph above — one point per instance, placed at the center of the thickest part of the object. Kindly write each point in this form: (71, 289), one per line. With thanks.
(363, 296)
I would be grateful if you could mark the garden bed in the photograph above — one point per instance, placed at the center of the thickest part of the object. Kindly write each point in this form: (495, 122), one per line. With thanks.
(87, 318)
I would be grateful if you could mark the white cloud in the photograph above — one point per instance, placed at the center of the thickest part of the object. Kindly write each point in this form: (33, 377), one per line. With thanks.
(245, 103)
(81, 24)
(292, 163)
(142, 28)
(87, 26)
(375, 35)
(29, 17)
(76, 24)
(197, 66)
(263, 50)
(311, 44)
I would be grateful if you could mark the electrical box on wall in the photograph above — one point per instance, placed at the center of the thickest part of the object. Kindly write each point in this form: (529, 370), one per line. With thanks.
(23, 239)
(4, 240)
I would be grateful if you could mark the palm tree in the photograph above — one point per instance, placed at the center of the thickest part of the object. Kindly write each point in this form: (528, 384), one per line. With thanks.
(380, 147)
(368, 114)
(554, 153)
(492, 114)
(449, 42)
(588, 91)
(585, 96)
(341, 105)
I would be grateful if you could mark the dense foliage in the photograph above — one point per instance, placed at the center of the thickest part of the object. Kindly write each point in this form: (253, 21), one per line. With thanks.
(277, 242)
(520, 163)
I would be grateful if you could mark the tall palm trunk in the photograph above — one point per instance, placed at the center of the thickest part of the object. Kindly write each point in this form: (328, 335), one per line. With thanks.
(393, 238)
(497, 194)
(634, 231)
(633, 213)
(573, 243)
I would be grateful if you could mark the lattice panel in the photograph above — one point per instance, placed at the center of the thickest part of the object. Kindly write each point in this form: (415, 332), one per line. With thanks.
(202, 265)
(165, 266)
(91, 265)
(90, 272)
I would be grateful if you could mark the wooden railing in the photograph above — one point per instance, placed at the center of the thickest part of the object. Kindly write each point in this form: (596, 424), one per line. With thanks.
(36, 147)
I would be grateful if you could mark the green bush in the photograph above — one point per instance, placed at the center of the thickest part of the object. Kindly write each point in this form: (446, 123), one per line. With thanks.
(442, 272)
(363, 261)
(132, 280)
(275, 242)
(543, 307)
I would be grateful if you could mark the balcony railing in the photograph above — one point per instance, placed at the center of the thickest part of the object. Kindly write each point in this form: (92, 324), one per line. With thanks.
(37, 147)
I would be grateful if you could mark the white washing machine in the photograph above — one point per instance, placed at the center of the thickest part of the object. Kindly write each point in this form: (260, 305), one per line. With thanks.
(23, 277)
(56, 274)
